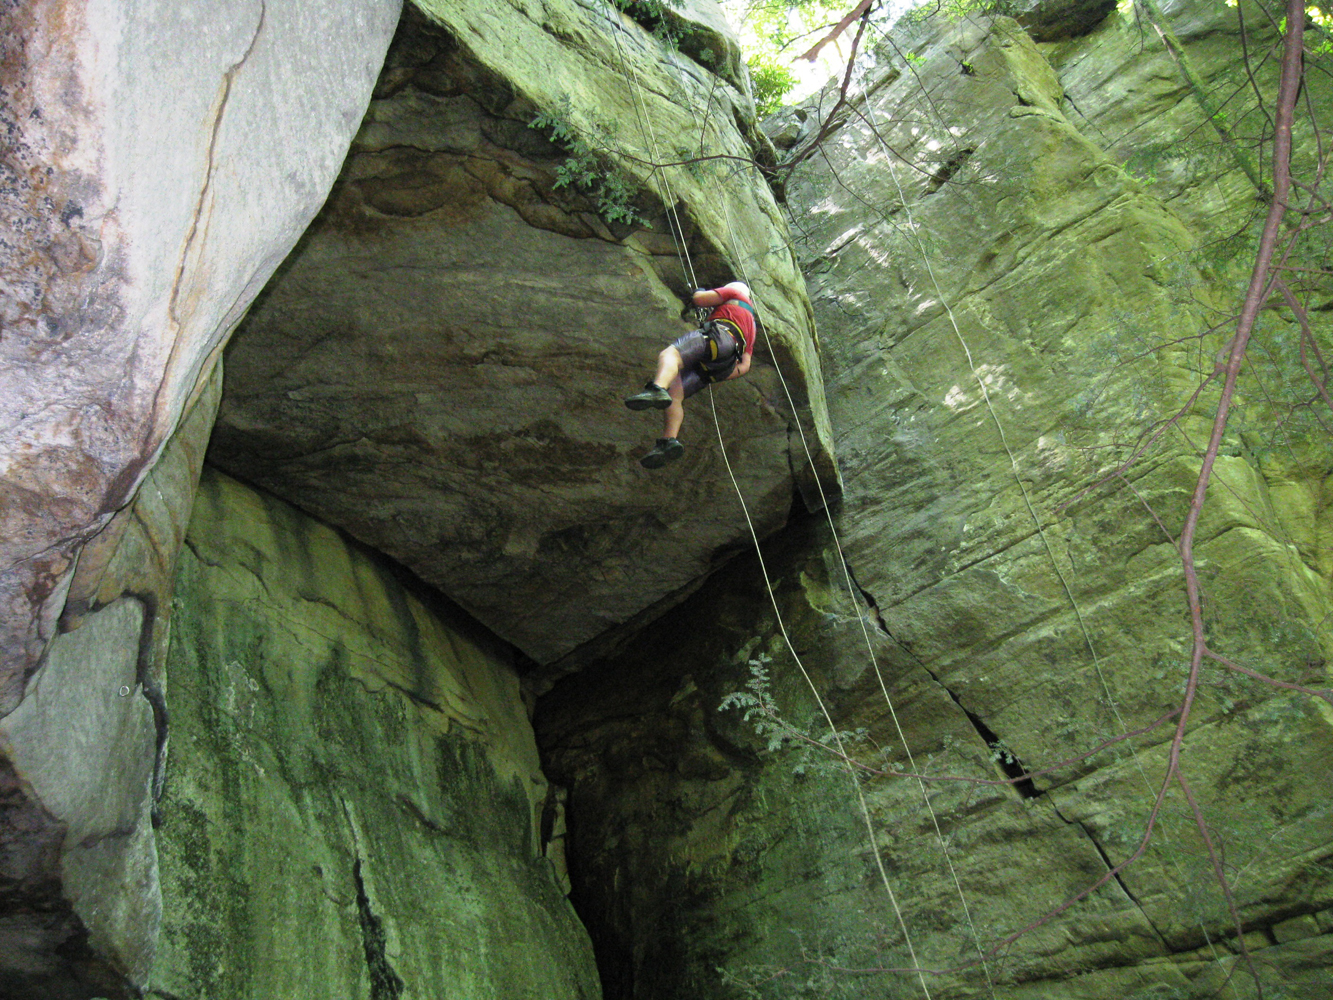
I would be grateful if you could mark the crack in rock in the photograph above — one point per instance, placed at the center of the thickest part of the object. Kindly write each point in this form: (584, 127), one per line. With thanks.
(1106, 859)
(1002, 755)
(385, 983)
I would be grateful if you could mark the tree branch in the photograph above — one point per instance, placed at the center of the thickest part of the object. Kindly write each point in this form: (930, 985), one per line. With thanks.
(813, 52)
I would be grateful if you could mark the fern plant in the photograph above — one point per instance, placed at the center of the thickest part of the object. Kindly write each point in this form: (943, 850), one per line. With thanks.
(813, 750)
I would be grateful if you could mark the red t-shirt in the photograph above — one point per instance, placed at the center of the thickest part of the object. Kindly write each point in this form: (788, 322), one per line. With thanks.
(732, 310)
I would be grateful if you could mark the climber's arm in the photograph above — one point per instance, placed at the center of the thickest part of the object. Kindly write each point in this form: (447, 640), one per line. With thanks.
(711, 297)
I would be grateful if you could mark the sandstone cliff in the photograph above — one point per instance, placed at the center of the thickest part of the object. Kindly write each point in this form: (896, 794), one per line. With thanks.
(439, 366)
(355, 805)
(1011, 249)
(164, 167)
(275, 755)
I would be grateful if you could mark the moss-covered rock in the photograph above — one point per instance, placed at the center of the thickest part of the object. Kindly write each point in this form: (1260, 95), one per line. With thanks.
(439, 369)
(354, 803)
(1009, 315)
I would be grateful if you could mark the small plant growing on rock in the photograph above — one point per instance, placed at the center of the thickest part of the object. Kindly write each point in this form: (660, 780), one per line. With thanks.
(771, 81)
(586, 167)
(814, 750)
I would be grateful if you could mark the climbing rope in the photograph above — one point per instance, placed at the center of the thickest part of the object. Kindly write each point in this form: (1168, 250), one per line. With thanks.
(828, 718)
(650, 141)
(864, 807)
(1027, 499)
(865, 632)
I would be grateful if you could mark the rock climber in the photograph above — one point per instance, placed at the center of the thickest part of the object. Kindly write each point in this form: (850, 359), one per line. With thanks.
(719, 350)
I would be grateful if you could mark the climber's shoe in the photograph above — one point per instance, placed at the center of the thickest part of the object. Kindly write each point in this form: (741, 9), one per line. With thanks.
(666, 450)
(653, 396)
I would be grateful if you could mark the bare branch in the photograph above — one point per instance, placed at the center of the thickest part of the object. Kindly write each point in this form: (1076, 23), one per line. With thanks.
(1325, 693)
(827, 126)
(1307, 337)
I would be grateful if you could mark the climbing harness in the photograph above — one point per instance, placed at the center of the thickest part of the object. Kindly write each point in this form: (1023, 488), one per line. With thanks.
(708, 354)
(726, 343)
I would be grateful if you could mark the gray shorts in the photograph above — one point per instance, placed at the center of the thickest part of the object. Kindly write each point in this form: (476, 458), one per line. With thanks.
(707, 355)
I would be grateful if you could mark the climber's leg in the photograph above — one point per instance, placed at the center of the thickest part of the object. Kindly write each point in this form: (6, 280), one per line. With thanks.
(675, 413)
(687, 351)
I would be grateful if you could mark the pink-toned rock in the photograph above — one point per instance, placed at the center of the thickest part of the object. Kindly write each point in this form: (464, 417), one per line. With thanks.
(161, 159)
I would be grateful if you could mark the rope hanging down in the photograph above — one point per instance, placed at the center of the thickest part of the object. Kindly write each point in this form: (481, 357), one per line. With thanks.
(650, 140)
(852, 590)
(667, 195)
(687, 266)
(915, 234)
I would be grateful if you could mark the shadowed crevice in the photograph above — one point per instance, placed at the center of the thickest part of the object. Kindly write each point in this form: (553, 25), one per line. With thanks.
(385, 983)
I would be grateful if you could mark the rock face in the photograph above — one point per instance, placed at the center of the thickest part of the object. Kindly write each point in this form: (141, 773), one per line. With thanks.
(161, 161)
(85, 751)
(355, 805)
(1019, 256)
(439, 368)
(1008, 313)
(161, 164)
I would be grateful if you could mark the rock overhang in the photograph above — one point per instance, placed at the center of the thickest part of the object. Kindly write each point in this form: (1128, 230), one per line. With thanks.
(164, 160)
(439, 366)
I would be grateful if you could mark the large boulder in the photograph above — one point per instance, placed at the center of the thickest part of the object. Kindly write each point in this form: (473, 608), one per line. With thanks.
(162, 161)
(440, 366)
(85, 751)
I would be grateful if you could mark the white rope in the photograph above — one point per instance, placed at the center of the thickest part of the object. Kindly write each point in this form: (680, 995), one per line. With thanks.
(650, 140)
(828, 719)
(669, 200)
(865, 632)
(1027, 499)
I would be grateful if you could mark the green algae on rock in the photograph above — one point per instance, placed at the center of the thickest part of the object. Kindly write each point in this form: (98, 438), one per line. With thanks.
(1019, 619)
(355, 798)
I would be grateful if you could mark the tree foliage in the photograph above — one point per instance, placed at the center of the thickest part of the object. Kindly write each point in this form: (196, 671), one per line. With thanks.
(773, 35)
(772, 82)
